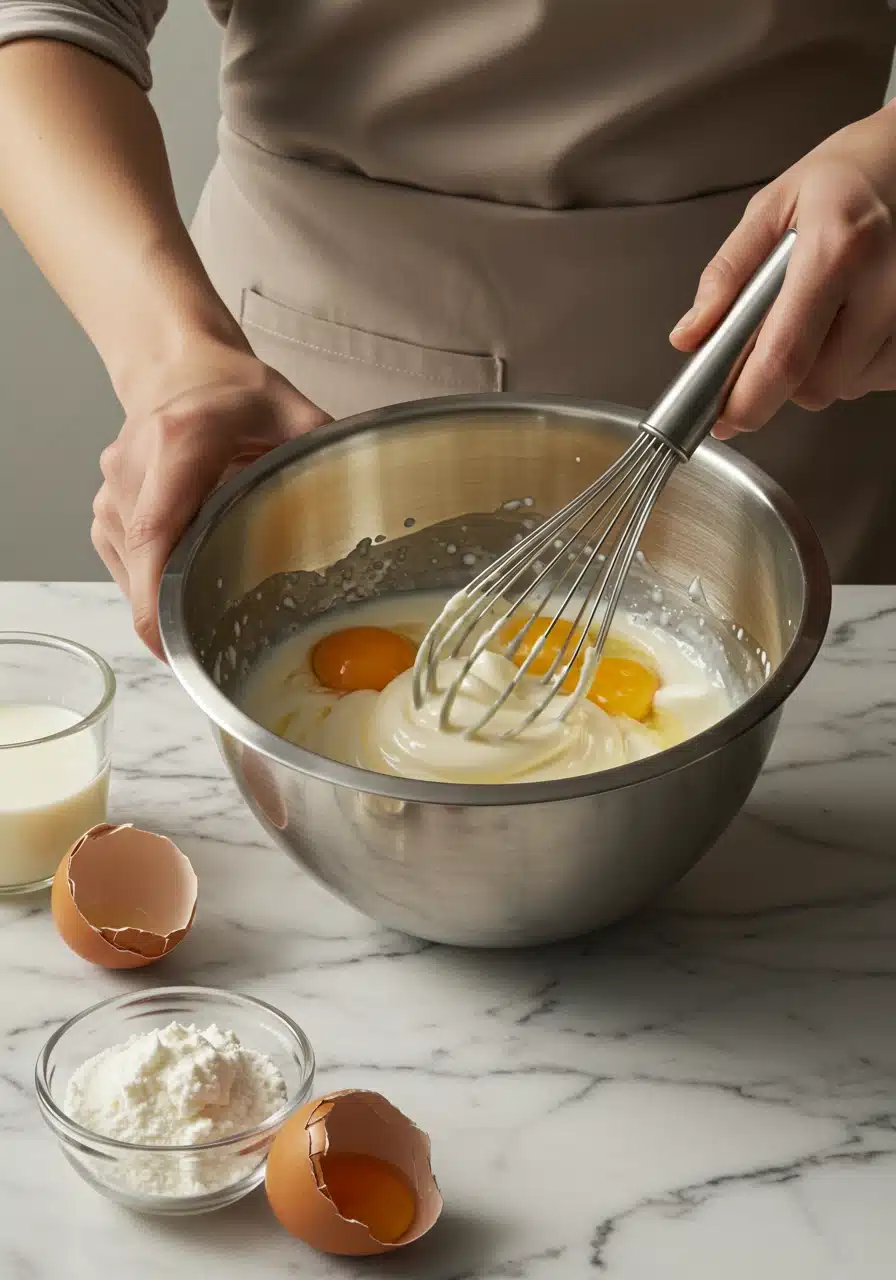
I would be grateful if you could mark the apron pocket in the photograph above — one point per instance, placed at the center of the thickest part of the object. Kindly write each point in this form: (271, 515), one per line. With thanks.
(346, 370)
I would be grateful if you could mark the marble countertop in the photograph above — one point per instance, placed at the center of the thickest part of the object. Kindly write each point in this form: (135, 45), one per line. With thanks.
(705, 1092)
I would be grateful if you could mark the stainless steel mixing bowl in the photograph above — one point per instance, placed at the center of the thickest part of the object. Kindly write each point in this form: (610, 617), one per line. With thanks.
(407, 497)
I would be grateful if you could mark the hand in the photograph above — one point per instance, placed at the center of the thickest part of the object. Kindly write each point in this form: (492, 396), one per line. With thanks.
(830, 333)
(217, 412)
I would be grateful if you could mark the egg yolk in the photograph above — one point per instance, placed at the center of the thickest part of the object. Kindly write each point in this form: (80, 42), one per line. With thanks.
(366, 1189)
(361, 658)
(622, 686)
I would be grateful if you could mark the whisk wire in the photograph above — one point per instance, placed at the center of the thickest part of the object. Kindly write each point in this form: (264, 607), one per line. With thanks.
(602, 525)
(562, 550)
(592, 554)
(454, 625)
(615, 478)
(614, 568)
(625, 553)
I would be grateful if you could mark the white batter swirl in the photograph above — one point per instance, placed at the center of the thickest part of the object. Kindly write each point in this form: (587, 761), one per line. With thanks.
(386, 733)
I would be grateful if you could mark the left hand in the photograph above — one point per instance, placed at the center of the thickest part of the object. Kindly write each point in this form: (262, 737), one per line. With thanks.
(831, 333)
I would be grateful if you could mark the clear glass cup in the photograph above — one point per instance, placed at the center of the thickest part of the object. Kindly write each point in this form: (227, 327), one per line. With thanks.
(55, 721)
(127, 1172)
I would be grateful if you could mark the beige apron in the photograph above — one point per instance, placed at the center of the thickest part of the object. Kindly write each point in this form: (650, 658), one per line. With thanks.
(421, 199)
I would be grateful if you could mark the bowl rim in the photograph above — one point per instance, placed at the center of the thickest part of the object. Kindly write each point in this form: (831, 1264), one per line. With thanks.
(63, 1124)
(229, 719)
(44, 640)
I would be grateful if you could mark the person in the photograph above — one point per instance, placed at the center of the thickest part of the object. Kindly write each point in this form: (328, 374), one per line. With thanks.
(416, 199)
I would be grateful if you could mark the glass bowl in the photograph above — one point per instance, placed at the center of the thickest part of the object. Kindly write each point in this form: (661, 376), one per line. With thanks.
(228, 1168)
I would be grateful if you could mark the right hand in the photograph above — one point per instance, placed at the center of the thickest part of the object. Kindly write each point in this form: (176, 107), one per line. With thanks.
(219, 410)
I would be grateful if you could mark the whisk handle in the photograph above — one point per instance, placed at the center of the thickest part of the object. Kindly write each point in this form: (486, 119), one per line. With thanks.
(686, 411)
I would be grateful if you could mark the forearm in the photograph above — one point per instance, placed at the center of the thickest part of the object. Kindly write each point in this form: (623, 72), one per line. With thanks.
(85, 182)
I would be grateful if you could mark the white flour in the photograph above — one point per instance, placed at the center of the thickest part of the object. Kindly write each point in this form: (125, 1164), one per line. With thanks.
(173, 1087)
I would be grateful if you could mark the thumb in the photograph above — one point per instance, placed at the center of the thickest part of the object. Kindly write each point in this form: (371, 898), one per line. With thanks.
(749, 244)
(301, 415)
(295, 413)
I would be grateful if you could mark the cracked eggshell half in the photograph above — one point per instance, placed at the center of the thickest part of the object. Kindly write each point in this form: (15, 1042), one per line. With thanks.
(363, 1123)
(122, 897)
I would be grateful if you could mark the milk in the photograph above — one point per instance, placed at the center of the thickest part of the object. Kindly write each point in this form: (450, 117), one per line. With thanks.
(50, 793)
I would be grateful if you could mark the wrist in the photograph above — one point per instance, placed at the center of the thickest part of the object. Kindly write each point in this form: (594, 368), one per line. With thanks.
(177, 329)
(870, 144)
(193, 359)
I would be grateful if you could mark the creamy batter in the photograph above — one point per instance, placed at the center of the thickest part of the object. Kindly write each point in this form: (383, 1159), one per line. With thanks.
(385, 732)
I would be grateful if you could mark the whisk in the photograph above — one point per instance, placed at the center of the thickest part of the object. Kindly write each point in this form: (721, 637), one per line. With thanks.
(581, 555)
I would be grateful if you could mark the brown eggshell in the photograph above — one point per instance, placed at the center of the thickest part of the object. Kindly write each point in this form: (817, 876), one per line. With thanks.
(363, 1123)
(122, 897)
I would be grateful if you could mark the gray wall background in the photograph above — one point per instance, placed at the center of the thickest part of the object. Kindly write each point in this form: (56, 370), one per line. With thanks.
(57, 411)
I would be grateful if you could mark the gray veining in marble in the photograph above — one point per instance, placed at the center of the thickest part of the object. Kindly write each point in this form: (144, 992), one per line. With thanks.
(706, 1092)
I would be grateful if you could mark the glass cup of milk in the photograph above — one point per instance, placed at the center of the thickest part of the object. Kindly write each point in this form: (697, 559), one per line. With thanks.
(55, 720)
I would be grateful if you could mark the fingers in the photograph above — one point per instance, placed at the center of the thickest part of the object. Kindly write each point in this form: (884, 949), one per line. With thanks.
(860, 329)
(161, 469)
(108, 553)
(757, 233)
(822, 336)
(834, 245)
(107, 536)
(878, 375)
(788, 343)
(178, 477)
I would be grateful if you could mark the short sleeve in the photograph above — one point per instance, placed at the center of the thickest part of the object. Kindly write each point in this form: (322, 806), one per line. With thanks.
(117, 30)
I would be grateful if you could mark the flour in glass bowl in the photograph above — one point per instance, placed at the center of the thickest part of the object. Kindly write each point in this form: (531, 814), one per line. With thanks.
(176, 1086)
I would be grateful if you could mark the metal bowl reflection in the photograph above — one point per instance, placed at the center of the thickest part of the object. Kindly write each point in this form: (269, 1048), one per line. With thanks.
(367, 505)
